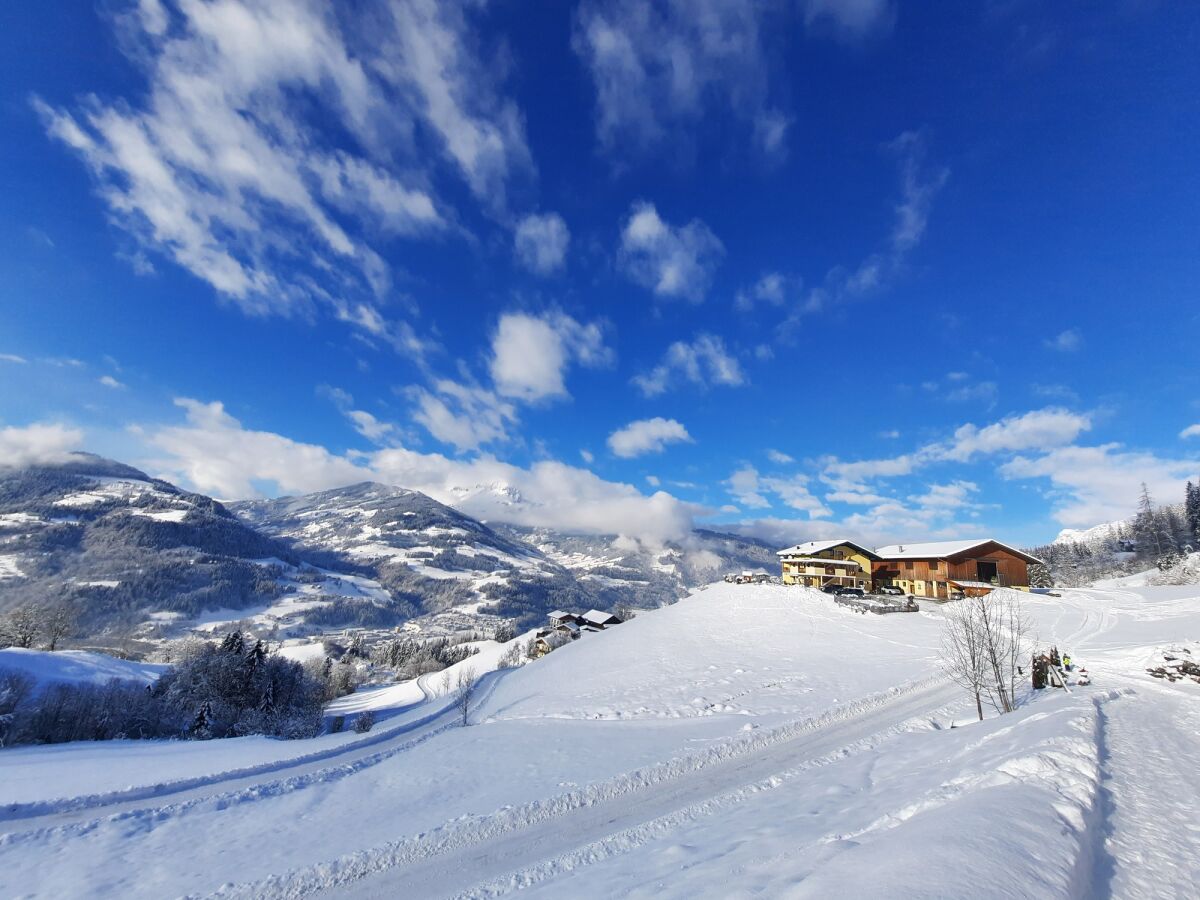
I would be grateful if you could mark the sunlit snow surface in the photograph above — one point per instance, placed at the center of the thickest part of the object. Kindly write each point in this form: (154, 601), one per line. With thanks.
(748, 741)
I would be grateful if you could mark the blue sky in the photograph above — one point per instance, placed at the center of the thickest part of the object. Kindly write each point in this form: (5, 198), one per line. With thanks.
(886, 269)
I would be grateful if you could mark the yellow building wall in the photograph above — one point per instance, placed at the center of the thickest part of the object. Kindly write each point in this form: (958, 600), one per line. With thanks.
(847, 552)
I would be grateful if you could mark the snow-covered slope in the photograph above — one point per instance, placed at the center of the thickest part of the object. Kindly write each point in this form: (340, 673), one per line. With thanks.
(750, 740)
(75, 667)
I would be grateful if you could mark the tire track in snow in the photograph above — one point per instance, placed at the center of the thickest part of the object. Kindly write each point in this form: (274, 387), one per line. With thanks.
(448, 857)
(123, 809)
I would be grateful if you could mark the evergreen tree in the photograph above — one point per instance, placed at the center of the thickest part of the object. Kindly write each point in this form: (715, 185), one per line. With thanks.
(1191, 512)
(1150, 526)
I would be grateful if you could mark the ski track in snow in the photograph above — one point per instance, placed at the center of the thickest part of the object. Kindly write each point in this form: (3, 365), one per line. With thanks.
(236, 786)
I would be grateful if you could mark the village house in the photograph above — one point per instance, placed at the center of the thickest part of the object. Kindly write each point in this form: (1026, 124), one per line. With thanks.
(950, 568)
(819, 564)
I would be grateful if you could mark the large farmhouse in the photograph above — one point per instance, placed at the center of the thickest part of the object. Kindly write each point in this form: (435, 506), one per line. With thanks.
(940, 570)
(952, 567)
(822, 563)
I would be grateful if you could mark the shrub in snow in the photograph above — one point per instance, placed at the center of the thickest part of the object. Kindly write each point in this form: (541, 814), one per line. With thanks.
(336, 724)
(365, 722)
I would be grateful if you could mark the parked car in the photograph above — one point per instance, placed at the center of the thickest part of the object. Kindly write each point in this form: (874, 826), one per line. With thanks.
(832, 588)
(891, 591)
(850, 592)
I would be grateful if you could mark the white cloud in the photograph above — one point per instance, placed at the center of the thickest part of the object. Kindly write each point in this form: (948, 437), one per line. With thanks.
(1038, 430)
(849, 20)
(1091, 485)
(704, 362)
(983, 393)
(779, 457)
(659, 69)
(540, 243)
(954, 495)
(671, 261)
(12, 358)
(366, 424)
(587, 456)
(653, 481)
(749, 488)
(1043, 428)
(465, 416)
(1190, 431)
(530, 354)
(214, 453)
(771, 288)
(744, 484)
(647, 436)
(109, 382)
(794, 492)
(41, 442)
(222, 162)
(1066, 341)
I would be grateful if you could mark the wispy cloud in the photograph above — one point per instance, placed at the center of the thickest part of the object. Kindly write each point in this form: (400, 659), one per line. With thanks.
(703, 361)
(1065, 341)
(659, 68)
(540, 242)
(226, 165)
(672, 261)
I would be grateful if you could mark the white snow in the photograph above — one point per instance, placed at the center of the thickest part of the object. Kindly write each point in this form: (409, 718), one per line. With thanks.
(10, 567)
(160, 515)
(747, 741)
(75, 666)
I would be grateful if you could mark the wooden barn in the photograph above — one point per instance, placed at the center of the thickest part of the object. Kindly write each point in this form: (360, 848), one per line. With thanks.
(949, 568)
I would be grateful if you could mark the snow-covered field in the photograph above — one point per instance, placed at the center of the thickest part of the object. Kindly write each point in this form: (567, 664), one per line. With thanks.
(747, 741)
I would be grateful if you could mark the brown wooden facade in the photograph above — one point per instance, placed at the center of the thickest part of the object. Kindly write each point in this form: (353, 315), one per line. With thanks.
(974, 571)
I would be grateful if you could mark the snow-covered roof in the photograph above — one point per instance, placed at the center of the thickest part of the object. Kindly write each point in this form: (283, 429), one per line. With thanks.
(813, 547)
(561, 614)
(597, 617)
(569, 626)
(973, 584)
(942, 549)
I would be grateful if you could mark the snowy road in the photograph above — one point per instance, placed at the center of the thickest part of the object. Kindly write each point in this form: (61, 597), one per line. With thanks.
(453, 863)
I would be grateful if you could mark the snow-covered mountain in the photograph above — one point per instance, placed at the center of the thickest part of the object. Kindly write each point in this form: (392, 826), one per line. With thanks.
(438, 558)
(621, 569)
(125, 550)
(429, 556)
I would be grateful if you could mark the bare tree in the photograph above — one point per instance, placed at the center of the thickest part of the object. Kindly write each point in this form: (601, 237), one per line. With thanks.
(963, 651)
(461, 691)
(984, 642)
(22, 627)
(58, 621)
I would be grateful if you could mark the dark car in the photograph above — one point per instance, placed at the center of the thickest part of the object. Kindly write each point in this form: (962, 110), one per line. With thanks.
(850, 592)
(832, 588)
